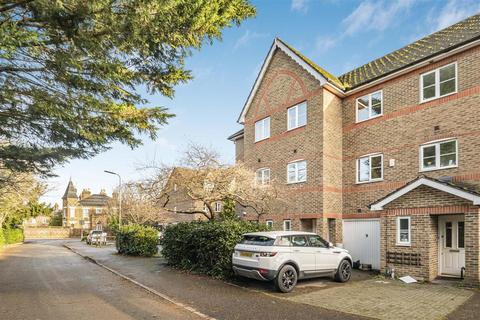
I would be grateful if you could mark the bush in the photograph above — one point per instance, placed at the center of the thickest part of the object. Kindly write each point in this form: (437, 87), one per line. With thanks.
(205, 246)
(2, 238)
(13, 235)
(137, 240)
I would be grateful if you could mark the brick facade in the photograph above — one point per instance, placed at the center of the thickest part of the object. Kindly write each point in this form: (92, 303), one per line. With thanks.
(332, 141)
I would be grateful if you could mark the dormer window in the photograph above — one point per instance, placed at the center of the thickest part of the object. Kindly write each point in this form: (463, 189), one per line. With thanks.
(369, 106)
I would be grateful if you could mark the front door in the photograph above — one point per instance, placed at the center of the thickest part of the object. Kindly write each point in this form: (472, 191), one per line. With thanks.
(452, 244)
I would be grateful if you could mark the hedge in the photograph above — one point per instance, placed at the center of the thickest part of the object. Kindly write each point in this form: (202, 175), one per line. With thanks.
(205, 246)
(11, 236)
(137, 240)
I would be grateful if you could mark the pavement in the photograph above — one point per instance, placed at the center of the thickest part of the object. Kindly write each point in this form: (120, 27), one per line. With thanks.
(44, 280)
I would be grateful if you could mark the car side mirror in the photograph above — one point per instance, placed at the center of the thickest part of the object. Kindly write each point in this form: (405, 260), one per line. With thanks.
(330, 245)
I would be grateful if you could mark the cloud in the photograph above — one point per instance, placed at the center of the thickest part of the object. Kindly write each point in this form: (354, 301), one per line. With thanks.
(300, 6)
(376, 16)
(247, 38)
(325, 43)
(452, 12)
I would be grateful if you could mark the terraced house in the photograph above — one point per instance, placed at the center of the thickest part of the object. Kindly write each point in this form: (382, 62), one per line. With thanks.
(384, 159)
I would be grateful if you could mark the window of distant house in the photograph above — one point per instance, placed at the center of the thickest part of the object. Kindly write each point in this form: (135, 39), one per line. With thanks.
(205, 208)
(72, 212)
(369, 106)
(175, 209)
(370, 168)
(263, 176)
(297, 171)
(297, 116)
(287, 225)
(439, 155)
(85, 212)
(218, 206)
(439, 82)
(403, 230)
(98, 210)
(269, 224)
(262, 129)
(174, 187)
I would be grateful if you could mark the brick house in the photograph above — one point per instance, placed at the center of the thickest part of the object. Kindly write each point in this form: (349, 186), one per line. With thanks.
(395, 141)
(179, 205)
(86, 211)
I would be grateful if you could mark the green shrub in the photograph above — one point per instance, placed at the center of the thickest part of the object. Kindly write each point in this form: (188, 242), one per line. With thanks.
(13, 235)
(2, 238)
(205, 246)
(137, 240)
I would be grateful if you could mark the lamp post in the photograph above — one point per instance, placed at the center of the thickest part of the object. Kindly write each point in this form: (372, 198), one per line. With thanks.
(119, 195)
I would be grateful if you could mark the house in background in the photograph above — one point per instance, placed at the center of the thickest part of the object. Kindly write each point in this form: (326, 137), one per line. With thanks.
(86, 211)
(383, 159)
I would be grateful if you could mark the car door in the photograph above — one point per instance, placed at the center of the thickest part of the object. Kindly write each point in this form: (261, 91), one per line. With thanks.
(303, 254)
(326, 258)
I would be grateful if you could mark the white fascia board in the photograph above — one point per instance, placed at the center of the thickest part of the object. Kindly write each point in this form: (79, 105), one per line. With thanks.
(430, 183)
(278, 44)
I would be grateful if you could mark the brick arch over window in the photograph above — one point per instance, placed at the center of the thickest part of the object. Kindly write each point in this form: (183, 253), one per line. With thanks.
(295, 83)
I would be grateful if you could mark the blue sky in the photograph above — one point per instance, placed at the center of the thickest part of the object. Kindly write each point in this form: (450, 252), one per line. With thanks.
(337, 34)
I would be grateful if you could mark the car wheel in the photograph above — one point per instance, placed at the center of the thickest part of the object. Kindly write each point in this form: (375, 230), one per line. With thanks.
(344, 271)
(286, 279)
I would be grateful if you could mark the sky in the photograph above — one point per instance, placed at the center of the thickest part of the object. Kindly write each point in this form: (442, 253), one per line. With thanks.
(338, 35)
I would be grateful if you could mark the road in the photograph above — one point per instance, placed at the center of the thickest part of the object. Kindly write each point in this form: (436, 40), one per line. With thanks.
(43, 280)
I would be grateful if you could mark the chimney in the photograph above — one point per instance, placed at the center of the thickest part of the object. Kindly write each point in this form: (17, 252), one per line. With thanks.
(115, 195)
(103, 192)
(85, 194)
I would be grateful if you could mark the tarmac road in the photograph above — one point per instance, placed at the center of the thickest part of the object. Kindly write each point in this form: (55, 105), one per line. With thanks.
(43, 280)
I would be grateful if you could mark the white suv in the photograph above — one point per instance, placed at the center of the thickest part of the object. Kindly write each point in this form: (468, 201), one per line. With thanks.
(286, 256)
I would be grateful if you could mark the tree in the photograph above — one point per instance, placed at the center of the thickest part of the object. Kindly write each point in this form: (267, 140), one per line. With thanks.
(69, 69)
(17, 191)
(208, 181)
(137, 205)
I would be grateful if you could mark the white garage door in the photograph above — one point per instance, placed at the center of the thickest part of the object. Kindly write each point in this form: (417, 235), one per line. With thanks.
(362, 238)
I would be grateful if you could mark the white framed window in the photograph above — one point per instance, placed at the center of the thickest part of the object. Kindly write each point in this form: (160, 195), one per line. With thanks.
(218, 206)
(403, 231)
(269, 223)
(370, 168)
(439, 155)
(174, 187)
(287, 225)
(85, 212)
(205, 208)
(263, 176)
(98, 210)
(72, 212)
(175, 209)
(438, 83)
(262, 129)
(369, 106)
(297, 116)
(297, 171)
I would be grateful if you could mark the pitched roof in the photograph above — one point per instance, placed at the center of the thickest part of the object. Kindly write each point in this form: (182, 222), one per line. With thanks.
(236, 135)
(444, 40)
(330, 77)
(454, 189)
(95, 200)
(70, 192)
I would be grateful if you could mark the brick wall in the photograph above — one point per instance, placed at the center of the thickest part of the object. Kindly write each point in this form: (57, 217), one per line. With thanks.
(46, 233)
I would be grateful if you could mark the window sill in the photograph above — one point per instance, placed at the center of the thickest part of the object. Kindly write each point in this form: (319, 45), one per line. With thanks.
(436, 169)
(296, 182)
(360, 121)
(370, 181)
(403, 244)
(295, 128)
(435, 98)
(262, 140)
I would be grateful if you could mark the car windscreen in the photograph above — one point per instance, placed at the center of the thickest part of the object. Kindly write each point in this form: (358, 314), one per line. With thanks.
(257, 240)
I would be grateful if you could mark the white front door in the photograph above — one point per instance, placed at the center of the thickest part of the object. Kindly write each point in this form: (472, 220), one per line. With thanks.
(451, 244)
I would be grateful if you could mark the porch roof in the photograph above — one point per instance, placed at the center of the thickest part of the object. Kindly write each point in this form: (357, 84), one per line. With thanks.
(447, 187)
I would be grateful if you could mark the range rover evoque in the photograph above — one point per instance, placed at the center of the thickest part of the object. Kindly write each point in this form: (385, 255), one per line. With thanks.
(287, 256)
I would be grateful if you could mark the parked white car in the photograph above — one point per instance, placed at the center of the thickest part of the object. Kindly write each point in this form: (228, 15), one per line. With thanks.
(97, 237)
(286, 256)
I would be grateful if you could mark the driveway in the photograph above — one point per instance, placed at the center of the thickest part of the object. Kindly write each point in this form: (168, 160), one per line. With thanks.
(44, 280)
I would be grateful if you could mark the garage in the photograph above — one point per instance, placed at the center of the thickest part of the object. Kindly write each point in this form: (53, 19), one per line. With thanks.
(362, 238)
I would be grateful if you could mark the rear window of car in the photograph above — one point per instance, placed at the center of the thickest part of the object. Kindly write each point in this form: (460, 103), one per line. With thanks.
(257, 240)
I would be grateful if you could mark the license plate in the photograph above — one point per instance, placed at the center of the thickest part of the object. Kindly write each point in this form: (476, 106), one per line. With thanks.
(245, 254)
